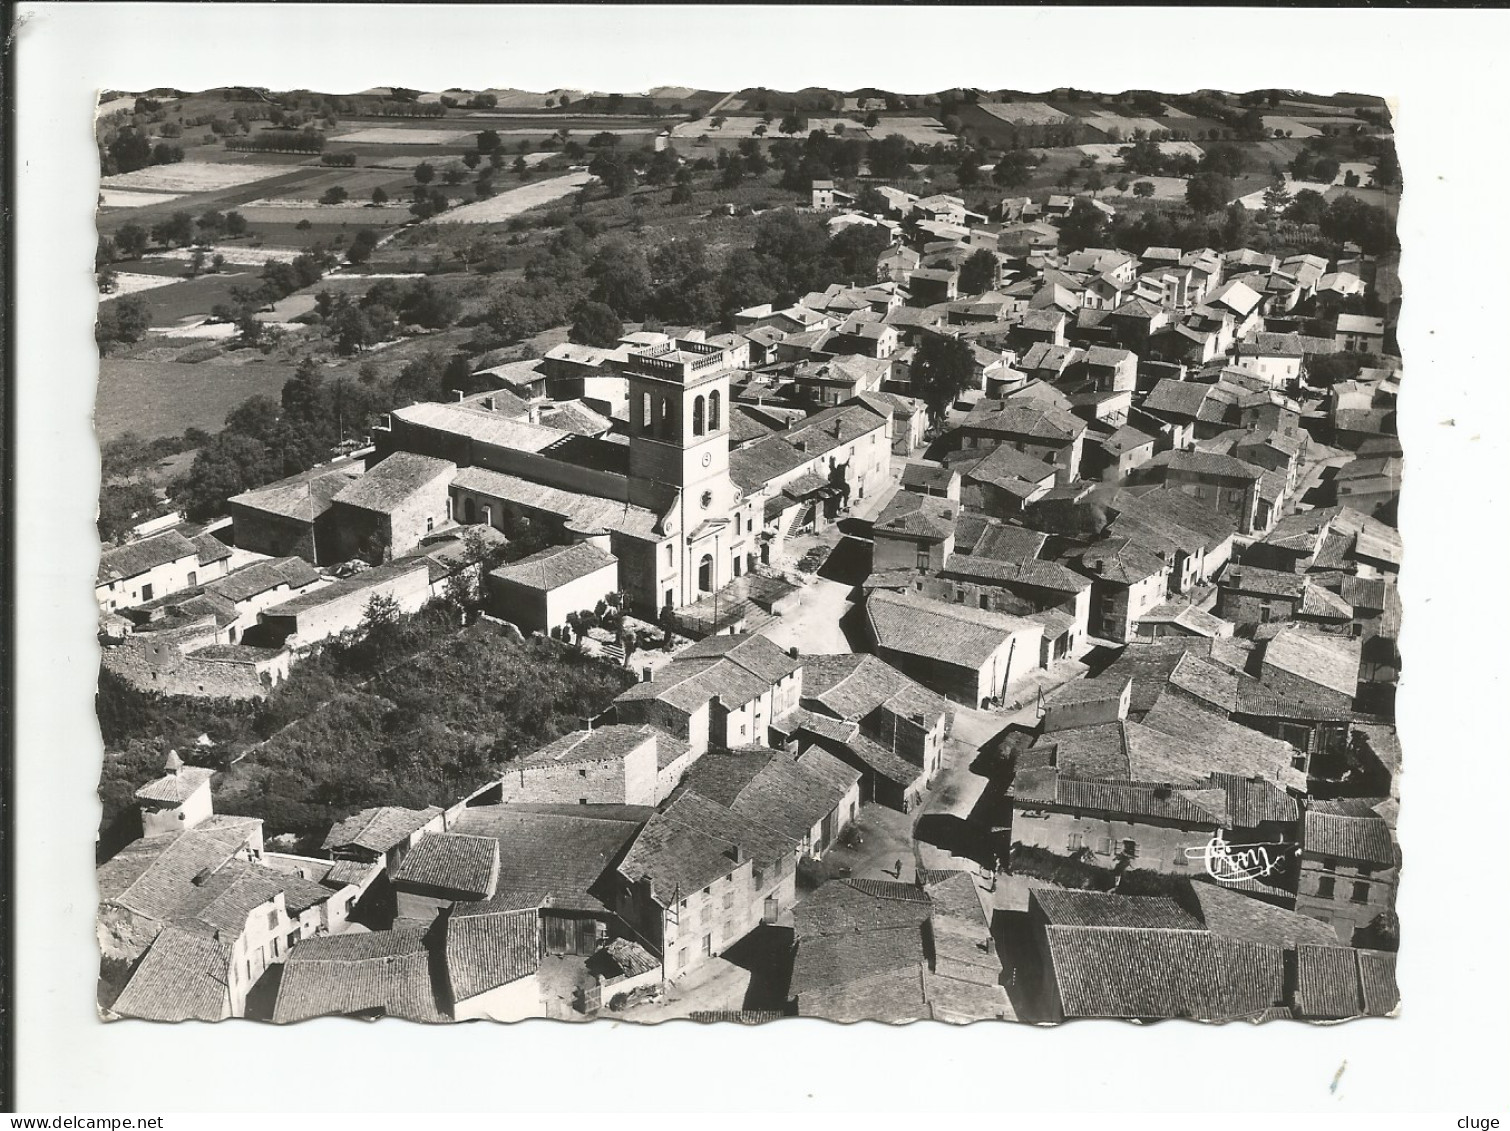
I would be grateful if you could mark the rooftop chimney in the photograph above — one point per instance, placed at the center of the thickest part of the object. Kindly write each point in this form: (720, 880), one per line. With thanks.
(736, 853)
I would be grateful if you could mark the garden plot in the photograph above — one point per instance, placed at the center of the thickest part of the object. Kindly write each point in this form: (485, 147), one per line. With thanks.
(507, 205)
(193, 176)
(130, 283)
(919, 131)
(398, 135)
(1105, 122)
(125, 198)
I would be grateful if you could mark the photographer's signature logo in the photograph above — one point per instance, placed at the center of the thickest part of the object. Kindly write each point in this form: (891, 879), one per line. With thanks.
(1234, 863)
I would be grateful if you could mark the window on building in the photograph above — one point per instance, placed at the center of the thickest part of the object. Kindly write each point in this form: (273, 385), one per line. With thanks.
(715, 404)
(1360, 893)
(147, 591)
(351, 904)
(707, 946)
(272, 920)
(728, 899)
(1075, 843)
(1105, 848)
(581, 801)
(923, 560)
(193, 578)
(1325, 887)
(681, 958)
(276, 950)
(646, 420)
(1129, 848)
(1329, 863)
(582, 772)
(699, 416)
(293, 937)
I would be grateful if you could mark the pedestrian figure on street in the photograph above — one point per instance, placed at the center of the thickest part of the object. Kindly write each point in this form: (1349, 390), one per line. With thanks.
(899, 869)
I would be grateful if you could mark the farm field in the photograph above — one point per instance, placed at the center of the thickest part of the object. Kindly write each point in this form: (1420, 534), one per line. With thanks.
(125, 198)
(1110, 152)
(162, 398)
(130, 283)
(399, 135)
(237, 254)
(509, 204)
(292, 211)
(189, 299)
(1164, 188)
(191, 176)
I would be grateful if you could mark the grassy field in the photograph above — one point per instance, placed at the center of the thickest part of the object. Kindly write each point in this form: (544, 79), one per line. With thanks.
(193, 298)
(508, 204)
(162, 398)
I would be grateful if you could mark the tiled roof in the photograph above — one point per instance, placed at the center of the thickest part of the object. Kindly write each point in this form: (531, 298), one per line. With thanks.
(261, 577)
(549, 569)
(1202, 807)
(210, 549)
(1326, 982)
(836, 959)
(1267, 582)
(378, 830)
(452, 862)
(553, 857)
(789, 794)
(393, 482)
(611, 743)
(1109, 909)
(582, 511)
(1366, 840)
(1237, 916)
(182, 977)
(175, 787)
(120, 563)
(917, 516)
(1196, 620)
(1255, 801)
(480, 425)
(487, 947)
(851, 906)
(303, 497)
(852, 685)
(921, 627)
(1208, 463)
(1376, 976)
(693, 842)
(382, 972)
(1207, 743)
(756, 654)
(155, 876)
(1131, 972)
(1092, 751)
(631, 957)
(368, 579)
(1331, 662)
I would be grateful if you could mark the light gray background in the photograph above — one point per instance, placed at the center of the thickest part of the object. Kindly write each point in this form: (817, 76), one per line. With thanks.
(1446, 71)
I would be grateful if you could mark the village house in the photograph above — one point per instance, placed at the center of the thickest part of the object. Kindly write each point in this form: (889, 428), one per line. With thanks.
(293, 516)
(1043, 433)
(1358, 333)
(1224, 484)
(609, 765)
(142, 571)
(444, 868)
(914, 531)
(382, 835)
(370, 975)
(698, 878)
(386, 512)
(722, 692)
(540, 591)
(492, 961)
(810, 797)
(1348, 869)
(968, 656)
(1127, 581)
(329, 610)
(826, 196)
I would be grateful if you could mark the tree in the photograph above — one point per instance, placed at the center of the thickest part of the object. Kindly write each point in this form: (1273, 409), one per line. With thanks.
(335, 194)
(596, 325)
(121, 505)
(872, 120)
(131, 240)
(1208, 192)
(235, 224)
(1237, 227)
(1013, 170)
(968, 172)
(228, 465)
(614, 170)
(175, 230)
(1084, 226)
(793, 123)
(424, 173)
(620, 278)
(942, 369)
(1307, 207)
(978, 273)
(888, 156)
(1143, 189)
